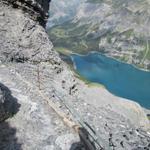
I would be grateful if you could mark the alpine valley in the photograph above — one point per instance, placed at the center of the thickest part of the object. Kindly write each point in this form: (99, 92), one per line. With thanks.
(116, 28)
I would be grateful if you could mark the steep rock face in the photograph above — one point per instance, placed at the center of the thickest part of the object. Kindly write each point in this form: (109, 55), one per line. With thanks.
(35, 125)
(21, 38)
(38, 9)
(35, 74)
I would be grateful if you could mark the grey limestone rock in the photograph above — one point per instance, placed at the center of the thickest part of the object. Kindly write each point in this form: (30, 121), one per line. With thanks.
(22, 39)
(29, 65)
(38, 9)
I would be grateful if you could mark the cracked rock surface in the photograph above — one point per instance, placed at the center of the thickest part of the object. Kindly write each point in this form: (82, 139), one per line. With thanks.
(28, 63)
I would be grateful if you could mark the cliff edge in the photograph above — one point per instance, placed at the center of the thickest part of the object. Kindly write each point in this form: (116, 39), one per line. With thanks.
(38, 80)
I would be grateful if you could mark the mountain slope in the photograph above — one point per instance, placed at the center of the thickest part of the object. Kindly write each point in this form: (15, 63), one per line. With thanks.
(39, 81)
(117, 28)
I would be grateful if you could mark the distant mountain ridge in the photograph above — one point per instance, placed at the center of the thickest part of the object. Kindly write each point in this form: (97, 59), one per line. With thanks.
(62, 11)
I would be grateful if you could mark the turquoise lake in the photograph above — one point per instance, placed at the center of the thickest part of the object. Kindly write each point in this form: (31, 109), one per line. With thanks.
(121, 79)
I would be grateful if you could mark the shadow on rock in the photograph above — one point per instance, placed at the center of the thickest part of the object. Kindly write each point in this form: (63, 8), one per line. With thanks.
(77, 146)
(8, 140)
(85, 143)
(8, 107)
(8, 104)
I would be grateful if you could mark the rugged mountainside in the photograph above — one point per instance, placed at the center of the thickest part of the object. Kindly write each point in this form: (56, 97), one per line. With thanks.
(62, 11)
(117, 28)
(33, 124)
(38, 9)
(39, 82)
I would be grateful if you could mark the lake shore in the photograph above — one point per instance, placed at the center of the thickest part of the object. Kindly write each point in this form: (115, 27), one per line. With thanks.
(119, 78)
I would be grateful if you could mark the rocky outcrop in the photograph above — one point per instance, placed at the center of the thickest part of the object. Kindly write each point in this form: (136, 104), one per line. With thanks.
(36, 75)
(21, 38)
(35, 125)
(37, 10)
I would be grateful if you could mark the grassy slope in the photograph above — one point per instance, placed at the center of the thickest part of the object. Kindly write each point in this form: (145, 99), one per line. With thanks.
(73, 37)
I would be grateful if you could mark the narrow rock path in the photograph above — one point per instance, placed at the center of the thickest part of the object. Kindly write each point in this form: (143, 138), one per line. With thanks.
(37, 124)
